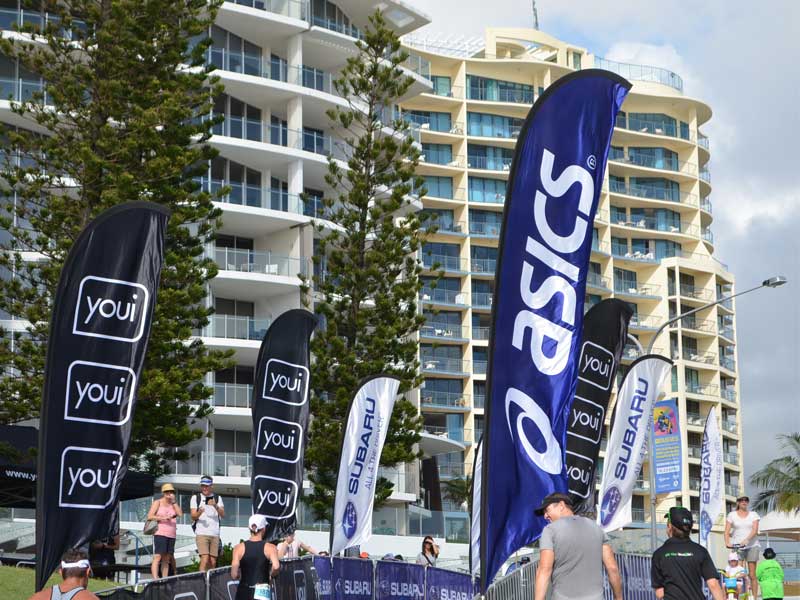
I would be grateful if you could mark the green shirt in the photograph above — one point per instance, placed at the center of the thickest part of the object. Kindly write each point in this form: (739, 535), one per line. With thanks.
(770, 576)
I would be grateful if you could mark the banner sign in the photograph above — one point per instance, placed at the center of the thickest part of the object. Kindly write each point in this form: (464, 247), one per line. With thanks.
(605, 330)
(280, 420)
(352, 579)
(667, 443)
(712, 477)
(395, 580)
(640, 389)
(322, 564)
(543, 259)
(102, 313)
(297, 580)
(183, 587)
(364, 435)
(441, 584)
(220, 584)
(475, 518)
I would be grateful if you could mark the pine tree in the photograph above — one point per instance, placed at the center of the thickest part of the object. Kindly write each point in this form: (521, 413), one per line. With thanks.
(114, 119)
(366, 283)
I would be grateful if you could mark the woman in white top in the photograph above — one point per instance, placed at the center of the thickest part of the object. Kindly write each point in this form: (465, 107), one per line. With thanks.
(429, 554)
(741, 529)
(290, 547)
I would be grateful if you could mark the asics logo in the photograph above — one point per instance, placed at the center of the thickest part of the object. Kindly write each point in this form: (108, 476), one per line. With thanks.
(549, 460)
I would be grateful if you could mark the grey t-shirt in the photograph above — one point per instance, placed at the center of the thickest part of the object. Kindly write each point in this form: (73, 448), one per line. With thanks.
(577, 544)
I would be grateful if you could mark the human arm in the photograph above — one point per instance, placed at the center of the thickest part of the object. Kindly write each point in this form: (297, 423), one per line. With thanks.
(307, 548)
(282, 548)
(178, 510)
(220, 507)
(271, 552)
(151, 514)
(543, 573)
(715, 588)
(195, 508)
(235, 560)
(614, 577)
(710, 574)
(727, 533)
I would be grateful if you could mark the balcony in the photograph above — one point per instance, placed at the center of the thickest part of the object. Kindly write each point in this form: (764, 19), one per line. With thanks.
(596, 280)
(705, 204)
(487, 197)
(651, 162)
(641, 73)
(234, 327)
(727, 332)
(731, 489)
(446, 227)
(259, 131)
(702, 390)
(484, 266)
(705, 175)
(486, 230)
(443, 331)
(12, 19)
(444, 297)
(440, 262)
(216, 464)
(497, 94)
(653, 224)
(702, 140)
(641, 484)
(480, 401)
(479, 367)
(451, 471)
(444, 159)
(652, 127)
(727, 362)
(481, 333)
(449, 366)
(21, 90)
(458, 435)
(416, 64)
(694, 419)
(621, 251)
(633, 289)
(730, 425)
(695, 293)
(433, 399)
(482, 300)
(643, 322)
(694, 452)
(332, 25)
(264, 263)
(653, 193)
(732, 458)
(706, 358)
(692, 323)
(728, 394)
(454, 91)
(489, 163)
(708, 236)
(232, 395)
(694, 484)
(436, 125)
(296, 9)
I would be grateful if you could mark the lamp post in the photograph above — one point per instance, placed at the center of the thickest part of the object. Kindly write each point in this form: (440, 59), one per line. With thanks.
(772, 282)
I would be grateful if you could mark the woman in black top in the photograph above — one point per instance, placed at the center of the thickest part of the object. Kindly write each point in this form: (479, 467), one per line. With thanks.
(250, 560)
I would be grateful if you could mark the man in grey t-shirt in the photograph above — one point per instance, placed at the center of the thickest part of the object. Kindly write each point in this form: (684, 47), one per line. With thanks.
(573, 551)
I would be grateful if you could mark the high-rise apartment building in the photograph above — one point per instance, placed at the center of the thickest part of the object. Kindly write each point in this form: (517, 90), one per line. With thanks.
(652, 242)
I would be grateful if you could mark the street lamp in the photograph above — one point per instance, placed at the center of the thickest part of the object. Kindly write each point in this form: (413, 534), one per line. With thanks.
(772, 282)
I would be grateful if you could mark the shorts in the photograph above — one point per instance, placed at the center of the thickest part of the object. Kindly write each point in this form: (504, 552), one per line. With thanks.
(163, 544)
(207, 544)
(751, 554)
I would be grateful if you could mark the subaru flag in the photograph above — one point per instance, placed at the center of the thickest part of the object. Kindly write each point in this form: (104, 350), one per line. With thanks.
(540, 282)
(641, 387)
(364, 435)
(102, 313)
(605, 329)
(712, 477)
(667, 447)
(475, 517)
(280, 420)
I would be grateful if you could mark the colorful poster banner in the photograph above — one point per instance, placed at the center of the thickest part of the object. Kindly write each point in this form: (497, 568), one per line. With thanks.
(667, 441)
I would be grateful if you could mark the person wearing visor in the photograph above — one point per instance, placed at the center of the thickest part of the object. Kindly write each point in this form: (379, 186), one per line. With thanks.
(680, 565)
(741, 534)
(75, 573)
(207, 509)
(572, 553)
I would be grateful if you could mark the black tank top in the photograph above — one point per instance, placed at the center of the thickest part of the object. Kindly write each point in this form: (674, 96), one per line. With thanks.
(253, 569)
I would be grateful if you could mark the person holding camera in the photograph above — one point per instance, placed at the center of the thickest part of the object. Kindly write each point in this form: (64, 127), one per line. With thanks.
(207, 509)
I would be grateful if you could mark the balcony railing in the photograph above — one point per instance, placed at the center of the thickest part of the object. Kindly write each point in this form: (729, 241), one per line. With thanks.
(332, 25)
(644, 322)
(446, 227)
(728, 394)
(450, 471)
(296, 9)
(705, 175)
(652, 162)
(265, 263)
(487, 198)
(12, 19)
(21, 90)
(695, 293)
(490, 230)
(653, 224)
(233, 327)
(694, 419)
(641, 73)
(598, 281)
(440, 296)
(730, 426)
(441, 158)
(727, 331)
(707, 358)
(701, 390)
(437, 125)
(481, 333)
(702, 140)
(482, 300)
(458, 435)
(232, 395)
(692, 323)
(443, 331)
(732, 458)
(483, 265)
(621, 251)
(443, 399)
(708, 236)
(727, 362)
(488, 163)
(653, 193)
(433, 364)
(694, 451)
(621, 287)
(731, 490)
(496, 94)
(480, 401)
(479, 367)
(454, 264)
(705, 204)
(416, 64)
(454, 91)
(653, 127)
(694, 484)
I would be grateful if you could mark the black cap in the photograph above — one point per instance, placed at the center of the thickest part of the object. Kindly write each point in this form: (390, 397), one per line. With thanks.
(680, 517)
(552, 499)
(769, 553)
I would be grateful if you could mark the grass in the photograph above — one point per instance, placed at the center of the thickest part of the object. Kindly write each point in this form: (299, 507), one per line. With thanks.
(17, 583)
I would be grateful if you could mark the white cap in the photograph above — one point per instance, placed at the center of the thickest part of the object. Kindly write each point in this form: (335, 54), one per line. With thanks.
(256, 523)
(733, 556)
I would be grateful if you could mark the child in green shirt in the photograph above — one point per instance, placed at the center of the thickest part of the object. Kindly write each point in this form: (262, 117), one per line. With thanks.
(770, 576)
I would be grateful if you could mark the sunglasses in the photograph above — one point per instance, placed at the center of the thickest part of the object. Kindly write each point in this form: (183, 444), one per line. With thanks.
(169, 492)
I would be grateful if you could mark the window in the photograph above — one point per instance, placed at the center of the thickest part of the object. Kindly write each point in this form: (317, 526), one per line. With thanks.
(439, 154)
(446, 317)
(624, 280)
(244, 183)
(277, 68)
(617, 184)
(230, 52)
(619, 246)
(656, 188)
(616, 153)
(618, 214)
(439, 187)
(655, 158)
(485, 222)
(495, 90)
(441, 218)
(486, 125)
(431, 351)
(576, 61)
(435, 121)
(489, 157)
(441, 85)
(492, 191)
(656, 123)
(236, 308)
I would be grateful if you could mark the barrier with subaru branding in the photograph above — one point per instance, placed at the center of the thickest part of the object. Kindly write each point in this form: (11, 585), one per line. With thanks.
(297, 580)
(322, 565)
(441, 584)
(352, 578)
(395, 579)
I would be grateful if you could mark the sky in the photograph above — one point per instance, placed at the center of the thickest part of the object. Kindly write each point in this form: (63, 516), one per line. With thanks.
(741, 59)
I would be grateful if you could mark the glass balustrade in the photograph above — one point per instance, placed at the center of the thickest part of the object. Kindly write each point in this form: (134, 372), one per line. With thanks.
(234, 327)
(482, 300)
(296, 9)
(483, 265)
(443, 399)
(443, 331)
(598, 281)
(641, 73)
(444, 263)
(652, 192)
(232, 395)
(265, 263)
(654, 162)
(479, 367)
(435, 364)
(489, 163)
(480, 333)
(441, 296)
(489, 230)
(633, 289)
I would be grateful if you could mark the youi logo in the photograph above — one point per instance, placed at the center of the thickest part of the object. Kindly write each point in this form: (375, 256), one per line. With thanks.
(276, 498)
(285, 382)
(99, 393)
(596, 366)
(111, 309)
(87, 477)
(349, 520)
(279, 440)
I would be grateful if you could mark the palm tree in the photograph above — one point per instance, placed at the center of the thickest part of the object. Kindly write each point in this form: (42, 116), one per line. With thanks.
(459, 491)
(780, 479)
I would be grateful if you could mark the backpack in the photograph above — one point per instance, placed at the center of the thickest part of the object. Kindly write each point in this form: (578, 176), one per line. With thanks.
(199, 497)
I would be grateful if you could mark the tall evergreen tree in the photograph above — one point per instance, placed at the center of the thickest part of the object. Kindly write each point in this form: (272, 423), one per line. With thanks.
(367, 281)
(114, 120)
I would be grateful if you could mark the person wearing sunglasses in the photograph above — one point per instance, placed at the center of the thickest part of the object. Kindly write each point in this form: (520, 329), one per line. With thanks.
(429, 554)
(166, 511)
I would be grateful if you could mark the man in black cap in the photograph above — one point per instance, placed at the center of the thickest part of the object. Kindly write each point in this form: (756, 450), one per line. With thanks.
(572, 553)
(680, 565)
